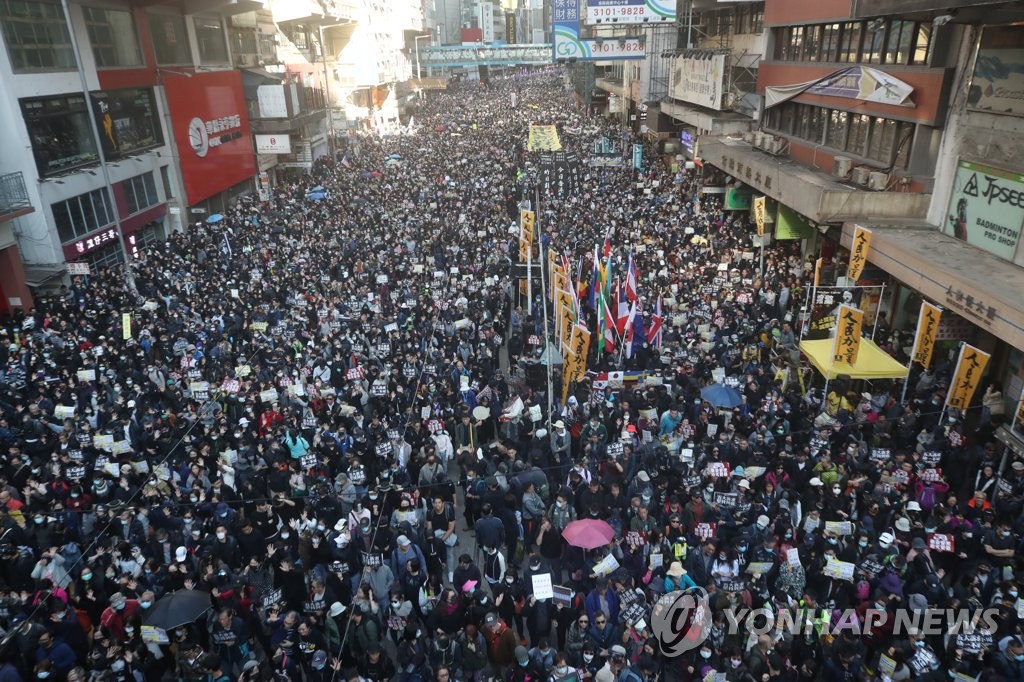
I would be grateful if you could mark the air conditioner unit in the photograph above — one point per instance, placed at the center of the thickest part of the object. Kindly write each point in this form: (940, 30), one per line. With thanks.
(748, 137)
(759, 139)
(778, 145)
(860, 175)
(878, 181)
(841, 166)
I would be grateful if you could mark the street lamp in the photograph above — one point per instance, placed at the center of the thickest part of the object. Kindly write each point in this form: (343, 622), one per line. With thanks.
(416, 41)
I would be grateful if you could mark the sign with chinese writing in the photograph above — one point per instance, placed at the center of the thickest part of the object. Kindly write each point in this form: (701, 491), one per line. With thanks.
(273, 144)
(859, 252)
(698, 80)
(941, 542)
(839, 570)
(543, 138)
(567, 43)
(704, 530)
(759, 209)
(846, 346)
(629, 11)
(526, 231)
(927, 329)
(986, 208)
(969, 368)
(997, 86)
(78, 269)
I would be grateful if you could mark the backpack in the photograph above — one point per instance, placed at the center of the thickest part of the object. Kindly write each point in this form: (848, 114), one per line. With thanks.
(927, 498)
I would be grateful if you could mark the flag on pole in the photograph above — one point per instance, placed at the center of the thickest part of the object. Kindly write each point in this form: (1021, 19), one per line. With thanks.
(225, 248)
(654, 332)
(622, 310)
(595, 281)
(606, 253)
(631, 280)
(345, 162)
(639, 331)
(606, 324)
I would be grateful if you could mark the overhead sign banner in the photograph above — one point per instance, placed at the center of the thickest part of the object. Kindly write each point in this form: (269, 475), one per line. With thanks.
(998, 83)
(567, 44)
(986, 208)
(273, 144)
(543, 138)
(791, 225)
(738, 199)
(211, 126)
(759, 209)
(927, 331)
(630, 11)
(859, 252)
(846, 346)
(698, 80)
(857, 82)
(969, 368)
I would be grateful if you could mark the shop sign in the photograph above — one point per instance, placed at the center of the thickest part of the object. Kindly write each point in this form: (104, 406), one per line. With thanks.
(954, 328)
(699, 80)
(745, 171)
(969, 305)
(986, 208)
(997, 86)
(94, 241)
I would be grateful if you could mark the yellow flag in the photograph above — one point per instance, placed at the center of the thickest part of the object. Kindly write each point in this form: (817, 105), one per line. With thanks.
(927, 328)
(846, 345)
(126, 326)
(859, 252)
(969, 368)
(569, 368)
(580, 349)
(559, 281)
(565, 322)
(759, 210)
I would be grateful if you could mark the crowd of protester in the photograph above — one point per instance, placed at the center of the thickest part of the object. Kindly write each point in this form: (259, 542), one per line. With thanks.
(326, 416)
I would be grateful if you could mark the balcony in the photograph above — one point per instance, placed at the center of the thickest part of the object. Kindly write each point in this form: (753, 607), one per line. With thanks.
(14, 199)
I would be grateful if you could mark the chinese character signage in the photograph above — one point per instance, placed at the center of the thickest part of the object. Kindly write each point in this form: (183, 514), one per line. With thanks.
(526, 219)
(543, 138)
(630, 11)
(638, 156)
(759, 209)
(211, 126)
(986, 208)
(567, 43)
(927, 331)
(859, 252)
(698, 80)
(846, 345)
(969, 368)
(998, 83)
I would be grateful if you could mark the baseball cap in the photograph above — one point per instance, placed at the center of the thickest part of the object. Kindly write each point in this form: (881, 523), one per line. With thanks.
(319, 659)
(521, 655)
(403, 540)
(618, 651)
(337, 609)
(180, 554)
(491, 619)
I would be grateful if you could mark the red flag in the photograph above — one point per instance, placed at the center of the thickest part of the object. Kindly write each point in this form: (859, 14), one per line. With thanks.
(654, 331)
(621, 309)
(631, 294)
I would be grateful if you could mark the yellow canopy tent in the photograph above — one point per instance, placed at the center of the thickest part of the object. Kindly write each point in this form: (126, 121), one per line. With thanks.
(872, 361)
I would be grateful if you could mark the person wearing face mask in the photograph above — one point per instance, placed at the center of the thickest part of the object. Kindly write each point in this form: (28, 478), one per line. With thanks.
(56, 651)
(116, 616)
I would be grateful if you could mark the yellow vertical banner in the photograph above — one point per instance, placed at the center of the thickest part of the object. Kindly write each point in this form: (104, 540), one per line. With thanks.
(552, 262)
(859, 252)
(559, 282)
(126, 326)
(927, 329)
(580, 348)
(846, 345)
(565, 324)
(817, 271)
(969, 368)
(526, 220)
(759, 210)
(569, 368)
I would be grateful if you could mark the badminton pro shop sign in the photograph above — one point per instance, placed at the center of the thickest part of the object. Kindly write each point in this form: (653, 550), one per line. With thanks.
(211, 128)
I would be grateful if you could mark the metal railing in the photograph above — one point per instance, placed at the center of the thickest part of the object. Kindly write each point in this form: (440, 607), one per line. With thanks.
(13, 193)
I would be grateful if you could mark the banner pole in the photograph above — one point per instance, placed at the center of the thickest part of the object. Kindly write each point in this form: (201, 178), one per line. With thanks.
(543, 297)
(910, 363)
(878, 311)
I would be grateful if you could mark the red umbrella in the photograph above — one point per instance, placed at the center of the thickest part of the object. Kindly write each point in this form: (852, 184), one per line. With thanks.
(588, 533)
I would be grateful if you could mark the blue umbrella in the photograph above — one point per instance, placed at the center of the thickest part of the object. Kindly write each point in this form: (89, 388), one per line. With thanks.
(318, 188)
(316, 196)
(395, 156)
(215, 218)
(721, 395)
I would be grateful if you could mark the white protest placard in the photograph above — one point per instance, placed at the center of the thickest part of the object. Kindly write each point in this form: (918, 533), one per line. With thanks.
(839, 570)
(606, 566)
(269, 395)
(86, 375)
(425, 412)
(793, 556)
(63, 411)
(542, 588)
(839, 527)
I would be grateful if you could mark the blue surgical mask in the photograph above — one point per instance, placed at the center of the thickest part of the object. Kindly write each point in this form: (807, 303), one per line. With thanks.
(145, 604)
(1019, 657)
(705, 654)
(919, 643)
(863, 543)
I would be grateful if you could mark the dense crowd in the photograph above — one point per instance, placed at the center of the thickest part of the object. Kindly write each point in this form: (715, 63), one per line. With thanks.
(321, 447)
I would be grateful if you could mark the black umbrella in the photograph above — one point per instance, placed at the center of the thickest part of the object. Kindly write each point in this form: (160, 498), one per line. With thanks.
(178, 608)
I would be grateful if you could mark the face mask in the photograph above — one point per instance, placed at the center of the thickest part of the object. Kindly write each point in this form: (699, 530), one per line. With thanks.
(735, 663)
(562, 669)
(509, 580)
(87, 577)
(705, 654)
(1013, 593)
(145, 604)
(1006, 533)
(560, 504)
(587, 658)
(742, 548)
(879, 606)
(43, 674)
(221, 536)
(835, 491)
(833, 541)
(1019, 657)
(120, 607)
(75, 495)
(863, 543)
(39, 520)
(396, 604)
(788, 536)
(373, 496)
(193, 499)
(321, 528)
(130, 631)
(285, 536)
(721, 557)
(919, 643)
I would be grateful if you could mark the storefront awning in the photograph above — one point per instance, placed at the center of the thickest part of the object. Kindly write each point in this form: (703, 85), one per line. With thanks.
(872, 361)
(965, 280)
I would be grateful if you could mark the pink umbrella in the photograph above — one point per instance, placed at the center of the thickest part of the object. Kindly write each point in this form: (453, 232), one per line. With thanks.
(588, 533)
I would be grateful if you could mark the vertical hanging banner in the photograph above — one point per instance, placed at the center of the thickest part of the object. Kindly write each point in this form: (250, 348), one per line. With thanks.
(126, 326)
(817, 272)
(580, 348)
(526, 219)
(638, 156)
(859, 252)
(563, 304)
(969, 368)
(846, 346)
(569, 367)
(759, 210)
(927, 329)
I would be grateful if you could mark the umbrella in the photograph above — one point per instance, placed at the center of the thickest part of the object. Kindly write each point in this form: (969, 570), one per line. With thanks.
(318, 188)
(588, 533)
(178, 608)
(393, 162)
(395, 156)
(315, 196)
(721, 395)
(376, 174)
(215, 218)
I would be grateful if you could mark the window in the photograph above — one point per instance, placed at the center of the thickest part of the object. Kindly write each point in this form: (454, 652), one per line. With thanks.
(904, 140)
(901, 37)
(140, 193)
(268, 47)
(82, 215)
(835, 133)
(922, 44)
(127, 120)
(243, 41)
(112, 34)
(849, 46)
(210, 38)
(170, 38)
(817, 130)
(782, 41)
(36, 36)
(812, 44)
(796, 42)
(860, 127)
(874, 42)
(60, 133)
(830, 43)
